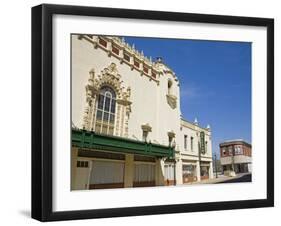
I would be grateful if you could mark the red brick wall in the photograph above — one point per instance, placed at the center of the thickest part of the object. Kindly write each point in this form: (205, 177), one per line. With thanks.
(226, 150)
(247, 150)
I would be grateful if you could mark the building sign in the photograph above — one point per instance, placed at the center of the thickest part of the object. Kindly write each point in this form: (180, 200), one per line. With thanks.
(202, 142)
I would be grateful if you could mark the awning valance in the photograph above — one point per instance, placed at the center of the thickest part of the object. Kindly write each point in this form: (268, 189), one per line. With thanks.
(92, 140)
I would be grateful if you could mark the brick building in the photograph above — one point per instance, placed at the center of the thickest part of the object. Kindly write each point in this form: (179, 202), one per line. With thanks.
(236, 155)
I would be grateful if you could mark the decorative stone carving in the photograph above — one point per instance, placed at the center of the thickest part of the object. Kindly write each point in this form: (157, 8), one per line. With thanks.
(117, 130)
(172, 100)
(146, 127)
(109, 76)
(87, 118)
(123, 46)
(171, 134)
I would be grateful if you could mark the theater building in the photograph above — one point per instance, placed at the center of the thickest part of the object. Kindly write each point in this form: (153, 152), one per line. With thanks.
(127, 128)
(236, 155)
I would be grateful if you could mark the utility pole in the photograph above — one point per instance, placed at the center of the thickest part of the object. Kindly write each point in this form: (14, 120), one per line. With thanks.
(216, 165)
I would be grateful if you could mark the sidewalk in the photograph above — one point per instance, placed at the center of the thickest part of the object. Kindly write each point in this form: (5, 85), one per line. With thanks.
(221, 178)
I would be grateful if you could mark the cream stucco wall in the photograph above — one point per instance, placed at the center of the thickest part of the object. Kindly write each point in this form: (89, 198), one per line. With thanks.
(149, 104)
(191, 156)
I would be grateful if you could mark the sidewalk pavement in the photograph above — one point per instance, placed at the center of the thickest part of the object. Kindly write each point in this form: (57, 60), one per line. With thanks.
(221, 178)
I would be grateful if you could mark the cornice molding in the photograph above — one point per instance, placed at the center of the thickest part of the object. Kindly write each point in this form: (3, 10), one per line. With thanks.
(154, 68)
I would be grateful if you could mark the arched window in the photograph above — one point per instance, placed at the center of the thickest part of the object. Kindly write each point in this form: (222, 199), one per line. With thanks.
(105, 115)
(170, 83)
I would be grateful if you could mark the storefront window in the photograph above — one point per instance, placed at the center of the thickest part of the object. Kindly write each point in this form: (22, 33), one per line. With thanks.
(169, 171)
(144, 175)
(189, 173)
(204, 171)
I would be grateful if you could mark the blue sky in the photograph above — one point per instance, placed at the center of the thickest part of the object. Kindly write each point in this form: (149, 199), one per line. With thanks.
(215, 82)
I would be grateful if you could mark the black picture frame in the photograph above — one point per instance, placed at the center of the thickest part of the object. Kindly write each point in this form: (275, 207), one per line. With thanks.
(42, 111)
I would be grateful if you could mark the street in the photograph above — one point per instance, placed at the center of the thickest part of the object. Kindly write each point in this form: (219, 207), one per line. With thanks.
(243, 178)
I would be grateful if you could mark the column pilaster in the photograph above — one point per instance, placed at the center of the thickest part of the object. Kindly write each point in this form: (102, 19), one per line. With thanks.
(129, 171)
(74, 155)
(198, 171)
(211, 172)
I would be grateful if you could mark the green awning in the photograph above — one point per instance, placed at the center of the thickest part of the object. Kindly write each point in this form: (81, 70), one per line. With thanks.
(92, 140)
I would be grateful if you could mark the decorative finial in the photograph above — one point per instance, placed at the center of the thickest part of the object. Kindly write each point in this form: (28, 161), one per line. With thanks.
(195, 121)
(159, 60)
(208, 127)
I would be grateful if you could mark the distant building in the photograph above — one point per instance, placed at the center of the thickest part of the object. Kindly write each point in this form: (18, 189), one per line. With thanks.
(236, 155)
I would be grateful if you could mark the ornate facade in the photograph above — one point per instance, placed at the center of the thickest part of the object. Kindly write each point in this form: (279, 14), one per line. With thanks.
(108, 77)
(124, 98)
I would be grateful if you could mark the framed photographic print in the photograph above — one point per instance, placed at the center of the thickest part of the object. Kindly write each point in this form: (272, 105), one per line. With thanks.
(145, 112)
